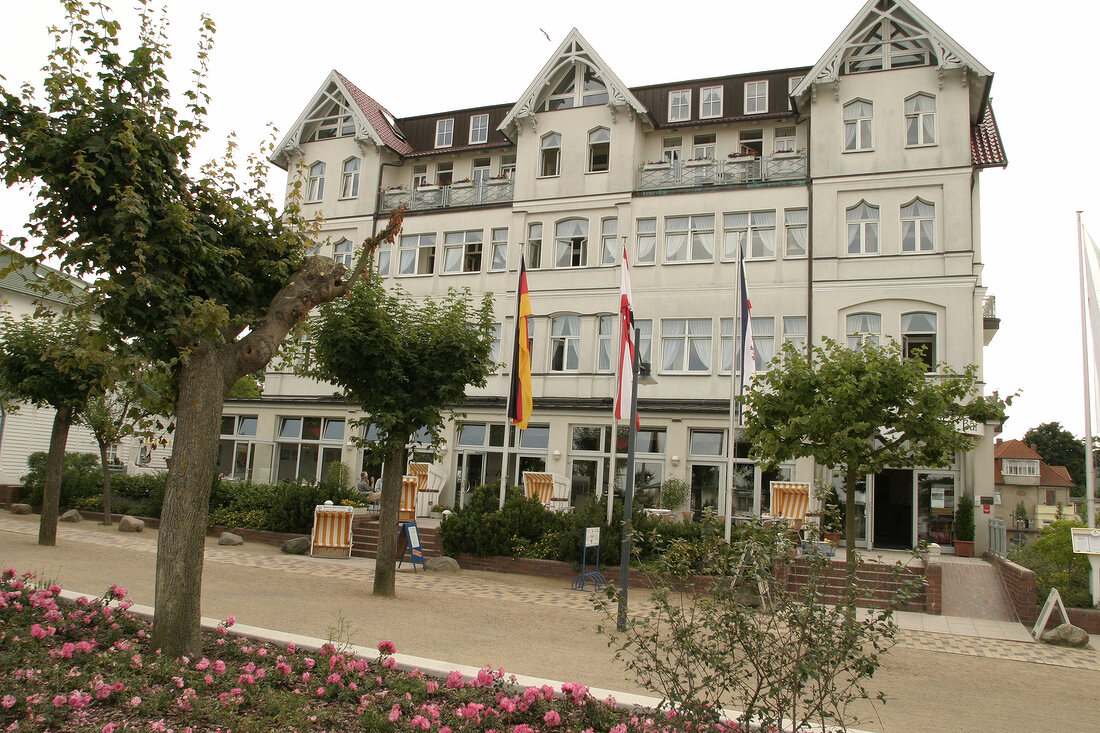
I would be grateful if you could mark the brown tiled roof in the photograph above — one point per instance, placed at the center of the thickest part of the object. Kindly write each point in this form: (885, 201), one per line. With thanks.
(1054, 476)
(1049, 476)
(986, 149)
(1014, 449)
(373, 112)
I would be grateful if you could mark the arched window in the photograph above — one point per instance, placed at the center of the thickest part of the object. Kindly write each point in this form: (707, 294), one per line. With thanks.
(571, 243)
(920, 120)
(551, 155)
(861, 327)
(349, 187)
(599, 150)
(918, 227)
(315, 186)
(918, 338)
(862, 229)
(859, 117)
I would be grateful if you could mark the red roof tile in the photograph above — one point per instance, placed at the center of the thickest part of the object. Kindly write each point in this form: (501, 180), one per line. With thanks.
(986, 149)
(1054, 476)
(376, 115)
(1049, 476)
(1014, 449)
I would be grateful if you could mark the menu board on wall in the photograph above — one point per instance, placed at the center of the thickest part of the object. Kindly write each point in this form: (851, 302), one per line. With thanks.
(1086, 541)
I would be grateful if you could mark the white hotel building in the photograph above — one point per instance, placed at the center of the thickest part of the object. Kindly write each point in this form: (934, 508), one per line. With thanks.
(852, 187)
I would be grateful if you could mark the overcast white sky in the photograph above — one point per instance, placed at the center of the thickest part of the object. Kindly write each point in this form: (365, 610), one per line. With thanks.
(419, 57)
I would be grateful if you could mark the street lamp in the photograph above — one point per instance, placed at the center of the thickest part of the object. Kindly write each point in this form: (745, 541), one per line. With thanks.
(642, 375)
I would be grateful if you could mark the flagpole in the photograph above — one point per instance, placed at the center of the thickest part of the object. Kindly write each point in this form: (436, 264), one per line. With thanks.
(1090, 470)
(611, 479)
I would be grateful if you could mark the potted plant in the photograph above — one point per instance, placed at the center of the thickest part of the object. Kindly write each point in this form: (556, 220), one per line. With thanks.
(674, 494)
(832, 515)
(964, 527)
(656, 165)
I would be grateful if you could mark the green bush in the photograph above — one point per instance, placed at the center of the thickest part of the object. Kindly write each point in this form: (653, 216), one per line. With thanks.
(292, 504)
(964, 519)
(1056, 565)
(80, 478)
(483, 529)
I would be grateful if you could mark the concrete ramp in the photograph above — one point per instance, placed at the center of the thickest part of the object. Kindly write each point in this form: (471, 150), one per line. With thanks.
(974, 590)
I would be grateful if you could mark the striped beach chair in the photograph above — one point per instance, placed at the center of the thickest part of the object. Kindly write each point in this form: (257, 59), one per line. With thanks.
(430, 482)
(331, 535)
(790, 501)
(550, 489)
(410, 485)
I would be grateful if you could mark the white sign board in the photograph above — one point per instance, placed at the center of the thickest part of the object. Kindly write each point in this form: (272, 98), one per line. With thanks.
(1085, 541)
(938, 498)
(1054, 599)
(592, 537)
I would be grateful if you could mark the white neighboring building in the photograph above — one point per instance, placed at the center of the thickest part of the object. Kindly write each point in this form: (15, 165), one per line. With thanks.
(851, 185)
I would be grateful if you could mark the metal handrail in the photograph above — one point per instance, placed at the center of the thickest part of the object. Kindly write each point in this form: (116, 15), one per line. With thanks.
(998, 537)
(455, 194)
(692, 173)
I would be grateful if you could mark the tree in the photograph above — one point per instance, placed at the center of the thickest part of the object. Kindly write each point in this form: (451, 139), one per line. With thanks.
(51, 359)
(862, 410)
(405, 361)
(1059, 447)
(197, 270)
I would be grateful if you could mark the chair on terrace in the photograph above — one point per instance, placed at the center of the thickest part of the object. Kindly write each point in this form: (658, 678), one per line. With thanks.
(409, 487)
(549, 489)
(790, 501)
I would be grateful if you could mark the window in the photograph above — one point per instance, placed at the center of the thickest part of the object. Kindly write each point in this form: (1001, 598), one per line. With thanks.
(462, 251)
(727, 328)
(534, 246)
(481, 171)
(308, 446)
(920, 120)
(609, 231)
(756, 229)
(794, 331)
(703, 147)
(685, 345)
(599, 150)
(862, 229)
(751, 142)
(918, 226)
(382, 258)
(500, 249)
(710, 102)
(763, 341)
(796, 222)
(647, 242)
(315, 187)
(417, 256)
(565, 343)
(756, 97)
(508, 166)
(420, 175)
(863, 327)
(444, 173)
(707, 443)
(479, 129)
(604, 327)
(689, 238)
(792, 84)
(679, 105)
(858, 120)
(578, 86)
(918, 338)
(494, 350)
(349, 187)
(1019, 467)
(889, 44)
(785, 140)
(551, 155)
(234, 459)
(571, 243)
(444, 133)
(341, 252)
(670, 149)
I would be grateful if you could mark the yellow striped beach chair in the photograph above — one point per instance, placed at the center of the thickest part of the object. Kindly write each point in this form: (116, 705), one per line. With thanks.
(331, 536)
(790, 501)
(409, 486)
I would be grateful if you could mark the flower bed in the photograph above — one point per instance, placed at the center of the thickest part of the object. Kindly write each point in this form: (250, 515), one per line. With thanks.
(89, 666)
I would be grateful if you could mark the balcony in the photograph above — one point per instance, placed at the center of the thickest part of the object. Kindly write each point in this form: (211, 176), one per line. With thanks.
(693, 173)
(425, 198)
(990, 322)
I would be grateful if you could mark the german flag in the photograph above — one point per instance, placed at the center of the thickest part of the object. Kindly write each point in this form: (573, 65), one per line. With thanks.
(520, 400)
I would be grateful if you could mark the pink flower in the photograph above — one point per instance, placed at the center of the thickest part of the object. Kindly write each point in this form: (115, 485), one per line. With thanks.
(219, 666)
(7, 701)
(229, 621)
(387, 647)
(40, 633)
(389, 663)
(484, 677)
(305, 676)
(118, 591)
(135, 701)
(552, 719)
(110, 728)
(320, 692)
(419, 721)
(454, 680)
(395, 713)
(202, 664)
(310, 663)
(431, 686)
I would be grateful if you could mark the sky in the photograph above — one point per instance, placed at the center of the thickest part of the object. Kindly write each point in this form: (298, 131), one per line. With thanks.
(271, 56)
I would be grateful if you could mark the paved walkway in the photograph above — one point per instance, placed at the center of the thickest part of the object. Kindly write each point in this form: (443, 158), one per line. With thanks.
(975, 591)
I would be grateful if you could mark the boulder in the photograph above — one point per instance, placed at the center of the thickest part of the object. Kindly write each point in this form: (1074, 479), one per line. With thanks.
(296, 546)
(228, 538)
(20, 509)
(442, 564)
(130, 524)
(1066, 635)
(70, 516)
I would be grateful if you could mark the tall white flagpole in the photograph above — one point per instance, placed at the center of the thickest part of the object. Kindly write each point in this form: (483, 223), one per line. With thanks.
(1090, 471)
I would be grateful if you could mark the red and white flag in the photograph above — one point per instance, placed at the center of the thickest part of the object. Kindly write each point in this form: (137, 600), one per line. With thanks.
(627, 347)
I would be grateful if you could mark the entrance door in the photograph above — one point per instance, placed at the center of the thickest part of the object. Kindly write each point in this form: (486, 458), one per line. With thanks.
(470, 475)
(893, 512)
(706, 480)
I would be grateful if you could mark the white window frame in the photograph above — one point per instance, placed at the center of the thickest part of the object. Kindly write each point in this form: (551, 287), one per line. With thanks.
(444, 133)
(342, 251)
(349, 186)
(1019, 467)
(567, 345)
(748, 231)
(534, 246)
(704, 146)
(421, 247)
(420, 175)
(498, 251)
(577, 245)
(792, 82)
(609, 241)
(860, 230)
(383, 255)
(797, 219)
(679, 105)
(599, 147)
(862, 326)
(508, 166)
(756, 97)
(859, 126)
(686, 339)
(763, 341)
(605, 343)
(794, 331)
(646, 236)
(710, 102)
(315, 184)
(467, 244)
(786, 143)
(495, 335)
(695, 232)
(918, 227)
(550, 153)
(672, 149)
(914, 337)
(479, 129)
(920, 121)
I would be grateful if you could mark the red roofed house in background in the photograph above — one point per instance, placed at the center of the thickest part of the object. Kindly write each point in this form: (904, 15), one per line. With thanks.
(1021, 476)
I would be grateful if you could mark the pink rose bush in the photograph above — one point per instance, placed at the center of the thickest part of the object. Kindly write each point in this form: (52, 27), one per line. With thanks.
(88, 666)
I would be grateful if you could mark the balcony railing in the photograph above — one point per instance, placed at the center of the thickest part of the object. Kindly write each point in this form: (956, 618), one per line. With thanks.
(989, 306)
(455, 194)
(691, 173)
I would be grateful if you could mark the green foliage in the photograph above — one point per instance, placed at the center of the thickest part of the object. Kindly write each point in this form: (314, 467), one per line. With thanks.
(674, 493)
(964, 519)
(832, 514)
(1059, 447)
(338, 476)
(1021, 510)
(1056, 565)
(80, 478)
(293, 502)
(483, 529)
(403, 360)
(246, 388)
(791, 663)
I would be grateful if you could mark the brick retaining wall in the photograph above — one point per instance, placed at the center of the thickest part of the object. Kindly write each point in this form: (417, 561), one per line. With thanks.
(1019, 583)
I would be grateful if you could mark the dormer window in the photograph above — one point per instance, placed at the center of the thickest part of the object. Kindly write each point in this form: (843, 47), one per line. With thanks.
(479, 129)
(1019, 467)
(756, 97)
(889, 44)
(679, 105)
(330, 117)
(578, 86)
(444, 133)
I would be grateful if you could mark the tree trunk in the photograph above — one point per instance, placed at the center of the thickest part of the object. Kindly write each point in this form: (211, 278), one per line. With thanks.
(385, 564)
(55, 463)
(182, 537)
(106, 484)
(850, 480)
